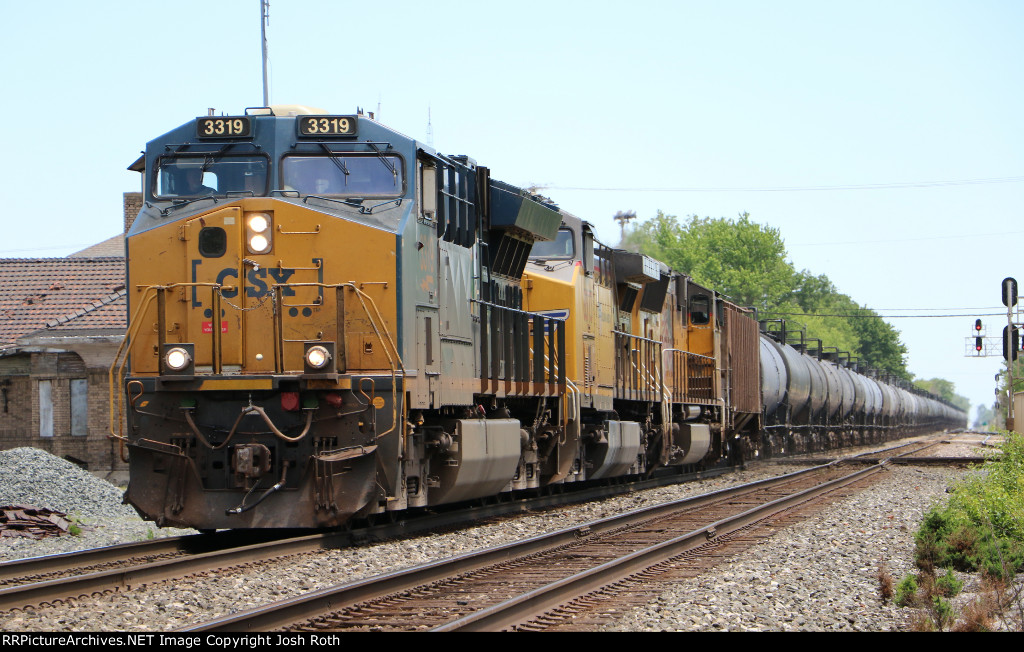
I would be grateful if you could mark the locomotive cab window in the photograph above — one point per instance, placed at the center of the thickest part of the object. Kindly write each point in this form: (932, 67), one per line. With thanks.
(213, 242)
(198, 176)
(348, 175)
(563, 246)
(700, 309)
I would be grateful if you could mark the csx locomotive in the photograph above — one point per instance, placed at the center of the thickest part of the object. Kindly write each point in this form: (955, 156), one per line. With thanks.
(331, 320)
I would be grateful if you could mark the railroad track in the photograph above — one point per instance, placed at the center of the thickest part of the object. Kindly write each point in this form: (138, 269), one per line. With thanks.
(55, 579)
(905, 453)
(552, 580)
(36, 582)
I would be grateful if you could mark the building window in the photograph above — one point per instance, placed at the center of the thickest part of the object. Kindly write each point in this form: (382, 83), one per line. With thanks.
(79, 407)
(45, 408)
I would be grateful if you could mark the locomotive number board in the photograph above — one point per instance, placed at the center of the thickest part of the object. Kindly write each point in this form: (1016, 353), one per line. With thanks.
(327, 125)
(226, 127)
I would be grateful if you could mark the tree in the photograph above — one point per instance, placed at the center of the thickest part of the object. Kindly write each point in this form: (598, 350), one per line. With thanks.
(986, 417)
(747, 262)
(945, 390)
(742, 260)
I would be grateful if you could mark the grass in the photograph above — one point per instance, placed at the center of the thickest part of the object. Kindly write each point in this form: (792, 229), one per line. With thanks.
(980, 530)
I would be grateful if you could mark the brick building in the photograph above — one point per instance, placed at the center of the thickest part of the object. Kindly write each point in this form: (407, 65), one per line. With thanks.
(61, 323)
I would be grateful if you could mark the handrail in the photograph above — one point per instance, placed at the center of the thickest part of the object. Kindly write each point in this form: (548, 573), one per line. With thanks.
(117, 370)
(117, 366)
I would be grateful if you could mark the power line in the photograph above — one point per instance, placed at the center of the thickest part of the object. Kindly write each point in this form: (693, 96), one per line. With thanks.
(922, 309)
(805, 314)
(865, 186)
(901, 240)
(53, 248)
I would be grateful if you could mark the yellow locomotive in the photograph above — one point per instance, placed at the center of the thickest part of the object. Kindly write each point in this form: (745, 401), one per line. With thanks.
(330, 320)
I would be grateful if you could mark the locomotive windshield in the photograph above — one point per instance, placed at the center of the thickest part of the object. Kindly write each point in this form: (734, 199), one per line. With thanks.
(352, 175)
(563, 246)
(197, 176)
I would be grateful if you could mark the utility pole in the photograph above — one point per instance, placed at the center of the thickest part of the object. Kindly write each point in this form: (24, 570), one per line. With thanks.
(264, 20)
(622, 217)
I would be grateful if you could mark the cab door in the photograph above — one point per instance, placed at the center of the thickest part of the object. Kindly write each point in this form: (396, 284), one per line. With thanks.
(214, 318)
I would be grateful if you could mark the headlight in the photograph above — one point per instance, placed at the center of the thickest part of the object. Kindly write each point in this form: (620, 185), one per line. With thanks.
(259, 232)
(258, 244)
(259, 223)
(317, 357)
(177, 359)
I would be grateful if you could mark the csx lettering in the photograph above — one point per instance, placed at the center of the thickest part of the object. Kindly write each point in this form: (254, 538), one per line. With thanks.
(222, 277)
(257, 284)
(258, 288)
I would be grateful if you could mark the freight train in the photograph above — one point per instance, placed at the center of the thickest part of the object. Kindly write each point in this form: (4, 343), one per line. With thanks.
(330, 320)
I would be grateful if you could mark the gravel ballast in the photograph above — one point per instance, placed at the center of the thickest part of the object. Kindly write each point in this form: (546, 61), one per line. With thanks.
(820, 574)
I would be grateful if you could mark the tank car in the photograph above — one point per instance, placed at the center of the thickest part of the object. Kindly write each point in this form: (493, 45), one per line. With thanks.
(816, 398)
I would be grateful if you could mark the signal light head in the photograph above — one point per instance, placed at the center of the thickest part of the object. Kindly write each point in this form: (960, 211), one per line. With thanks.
(978, 344)
(977, 325)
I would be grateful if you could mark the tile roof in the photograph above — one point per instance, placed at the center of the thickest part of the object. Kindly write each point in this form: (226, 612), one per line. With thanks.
(36, 293)
(111, 247)
(108, 312)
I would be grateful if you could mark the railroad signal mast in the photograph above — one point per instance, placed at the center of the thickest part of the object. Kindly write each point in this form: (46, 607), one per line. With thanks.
(1011, 342)
(981, 346)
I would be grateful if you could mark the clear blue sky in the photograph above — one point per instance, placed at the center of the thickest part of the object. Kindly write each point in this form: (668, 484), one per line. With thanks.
(792, 111)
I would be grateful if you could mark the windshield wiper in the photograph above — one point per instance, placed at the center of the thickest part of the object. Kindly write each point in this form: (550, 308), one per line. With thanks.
(181, 203)
(355, 202)
(390, 166)
(337, 161)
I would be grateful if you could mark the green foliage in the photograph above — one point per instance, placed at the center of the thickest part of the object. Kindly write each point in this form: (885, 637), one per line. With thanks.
(982, 526)
(946, 390)
(74, 529)
(948, 585)
(986, 417)
(748, 263)
(741, 259)
(906, 591)
(942, 611)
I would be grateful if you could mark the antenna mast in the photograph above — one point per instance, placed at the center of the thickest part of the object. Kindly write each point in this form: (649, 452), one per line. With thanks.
(264, 20)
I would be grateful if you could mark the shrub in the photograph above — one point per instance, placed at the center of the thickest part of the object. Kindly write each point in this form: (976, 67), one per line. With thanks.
(982, 527)
(948, 585)
(942, 612)
(906, 592)
(885, 582)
